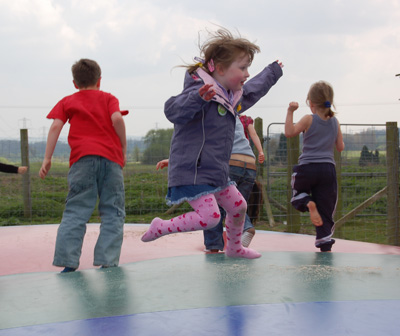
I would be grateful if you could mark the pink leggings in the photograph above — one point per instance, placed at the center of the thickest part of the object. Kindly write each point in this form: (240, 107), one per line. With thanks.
(205, 216)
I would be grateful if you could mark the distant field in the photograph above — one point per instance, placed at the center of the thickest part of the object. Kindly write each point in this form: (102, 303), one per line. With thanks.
(145, 198)
(357, 154)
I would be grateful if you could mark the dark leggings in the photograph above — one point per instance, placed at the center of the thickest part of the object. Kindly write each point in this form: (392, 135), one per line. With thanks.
(317, 182)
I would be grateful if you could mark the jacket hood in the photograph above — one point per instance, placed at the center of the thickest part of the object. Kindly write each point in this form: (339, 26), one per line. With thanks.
(200, 76)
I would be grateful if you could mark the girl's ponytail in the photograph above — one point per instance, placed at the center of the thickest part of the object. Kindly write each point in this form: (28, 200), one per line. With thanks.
(321, 94)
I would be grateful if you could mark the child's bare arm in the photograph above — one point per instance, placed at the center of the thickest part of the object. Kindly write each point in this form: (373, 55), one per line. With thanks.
(119, 126)
(256, 140)
(52, 138)
(339, 140)
(162, 164)
(207, 92)
(291, 129)
(22, 169)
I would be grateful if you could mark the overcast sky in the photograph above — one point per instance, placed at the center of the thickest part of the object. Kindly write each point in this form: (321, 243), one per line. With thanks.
(353, 44)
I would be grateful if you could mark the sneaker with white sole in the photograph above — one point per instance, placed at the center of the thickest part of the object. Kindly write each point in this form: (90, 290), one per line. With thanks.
(246, 238)
(211, 250)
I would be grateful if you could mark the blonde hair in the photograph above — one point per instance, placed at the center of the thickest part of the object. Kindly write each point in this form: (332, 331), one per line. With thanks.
(222, 48)
(321, 95)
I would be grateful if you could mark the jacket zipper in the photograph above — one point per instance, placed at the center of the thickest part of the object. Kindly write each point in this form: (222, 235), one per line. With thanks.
(202, 145)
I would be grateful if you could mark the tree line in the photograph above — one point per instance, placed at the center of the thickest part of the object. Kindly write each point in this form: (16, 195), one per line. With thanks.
(154, 146)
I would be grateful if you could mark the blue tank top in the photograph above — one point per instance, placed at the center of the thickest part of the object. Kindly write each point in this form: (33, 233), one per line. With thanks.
(240, 143)
(319, 141)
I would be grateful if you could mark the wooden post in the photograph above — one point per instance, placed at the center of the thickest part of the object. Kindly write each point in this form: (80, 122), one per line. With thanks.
(360, 208)
(339, 204)
(258, 126)
(26, 185)
(293, 151)
(392, 166)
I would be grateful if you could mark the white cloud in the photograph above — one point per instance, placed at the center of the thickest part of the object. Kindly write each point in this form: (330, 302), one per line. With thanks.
(353, 44)
(42, 11)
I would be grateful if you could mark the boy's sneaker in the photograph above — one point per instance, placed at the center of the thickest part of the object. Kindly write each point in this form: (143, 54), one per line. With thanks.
(68, 270)
(246, 238)
(211, 250)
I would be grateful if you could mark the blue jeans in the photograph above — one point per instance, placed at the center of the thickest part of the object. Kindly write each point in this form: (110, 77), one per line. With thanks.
(245, 179)
(90, 178)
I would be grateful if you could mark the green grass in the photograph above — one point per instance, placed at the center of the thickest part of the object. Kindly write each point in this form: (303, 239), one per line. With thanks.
(369, 226)
(145, 190)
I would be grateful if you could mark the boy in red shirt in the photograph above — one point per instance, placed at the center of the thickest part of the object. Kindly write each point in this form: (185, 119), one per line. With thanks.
(97, 139)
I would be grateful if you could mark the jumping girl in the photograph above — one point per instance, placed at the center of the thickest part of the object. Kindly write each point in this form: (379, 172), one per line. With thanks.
(314, 180)
(204, 114)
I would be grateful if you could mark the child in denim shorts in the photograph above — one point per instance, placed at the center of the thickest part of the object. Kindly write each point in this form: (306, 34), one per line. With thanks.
(97, 139)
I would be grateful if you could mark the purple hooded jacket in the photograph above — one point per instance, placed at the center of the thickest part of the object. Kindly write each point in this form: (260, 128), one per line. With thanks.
(203, 135)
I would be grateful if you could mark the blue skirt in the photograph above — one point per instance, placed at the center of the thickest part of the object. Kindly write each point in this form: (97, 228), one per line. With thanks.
(180, 194)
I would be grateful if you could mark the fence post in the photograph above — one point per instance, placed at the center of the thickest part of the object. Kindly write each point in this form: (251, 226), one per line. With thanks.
(26, 185)
(339, 204)
(392, 165)
(258, 126)
(293, 151)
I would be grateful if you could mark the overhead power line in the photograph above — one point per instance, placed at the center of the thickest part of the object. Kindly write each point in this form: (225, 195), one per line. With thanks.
(162, 107)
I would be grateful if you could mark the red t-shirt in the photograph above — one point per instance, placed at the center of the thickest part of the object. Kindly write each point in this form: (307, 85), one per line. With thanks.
(91, 131)
(246, 121)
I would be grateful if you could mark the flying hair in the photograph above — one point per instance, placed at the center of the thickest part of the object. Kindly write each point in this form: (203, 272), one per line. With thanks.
(222, 48)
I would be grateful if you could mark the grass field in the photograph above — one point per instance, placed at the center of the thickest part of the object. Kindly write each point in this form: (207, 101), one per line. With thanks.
(146, 189)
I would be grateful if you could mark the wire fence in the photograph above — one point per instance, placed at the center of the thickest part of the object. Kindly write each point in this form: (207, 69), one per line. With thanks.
(363, 173)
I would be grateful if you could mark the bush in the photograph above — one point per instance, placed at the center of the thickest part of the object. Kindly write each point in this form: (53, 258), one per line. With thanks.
(367, 157)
